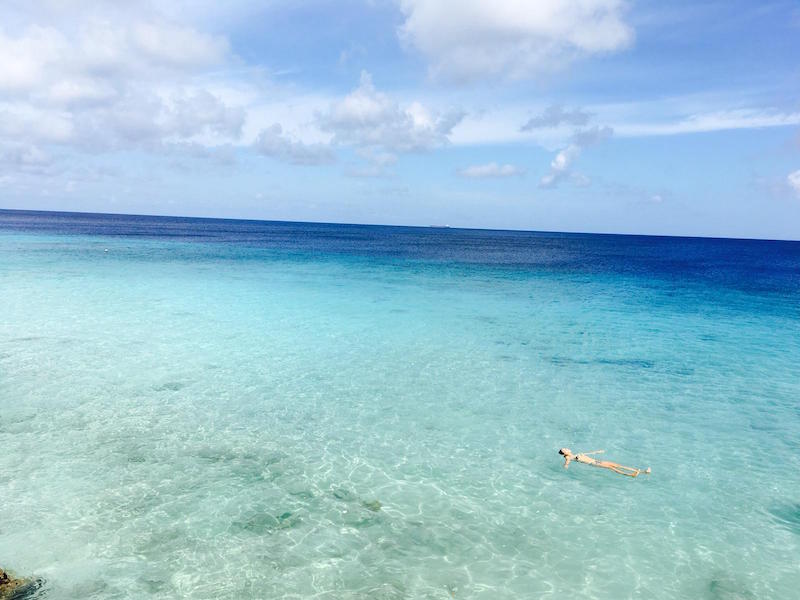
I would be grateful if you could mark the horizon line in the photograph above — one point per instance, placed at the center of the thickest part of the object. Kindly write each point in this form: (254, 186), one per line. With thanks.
(429, 226)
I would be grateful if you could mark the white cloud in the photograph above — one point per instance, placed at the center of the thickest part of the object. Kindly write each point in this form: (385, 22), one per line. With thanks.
(591, 135)
(101, 80)
(491, 169)
(794, 181)
(16, 158)
(102, 53)
(199, 109)
(561, 165)
(556, 115)
(274, 143)
(379, 126)
(176, 45)
(23, 59)
(35, 125)
(675, 115)
(139, 118)
(510, 39)
(80, 91)
(708, 121)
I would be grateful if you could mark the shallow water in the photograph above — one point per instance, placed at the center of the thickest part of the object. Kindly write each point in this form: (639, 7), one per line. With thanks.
(211, 409)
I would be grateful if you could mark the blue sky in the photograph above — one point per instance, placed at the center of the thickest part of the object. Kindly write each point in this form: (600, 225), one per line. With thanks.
(679, 118)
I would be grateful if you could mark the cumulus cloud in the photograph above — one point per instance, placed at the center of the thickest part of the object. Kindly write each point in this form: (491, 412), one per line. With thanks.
(144, 119)
(378, 126)
(490, 170)
(273, 142)
(100, 81)
(556, 115)
(100, 53)
(561, 165)
(794, 181)
(510, 39)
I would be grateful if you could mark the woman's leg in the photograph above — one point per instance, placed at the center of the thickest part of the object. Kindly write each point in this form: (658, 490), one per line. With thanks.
(627, 471)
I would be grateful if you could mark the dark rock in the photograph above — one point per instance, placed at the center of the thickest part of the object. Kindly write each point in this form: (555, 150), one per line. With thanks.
(12, 588)
(343, 494)
(263, 523)
(788, 516)
(722, 587)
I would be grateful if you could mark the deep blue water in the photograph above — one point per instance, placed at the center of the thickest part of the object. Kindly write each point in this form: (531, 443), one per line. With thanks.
(758, 265)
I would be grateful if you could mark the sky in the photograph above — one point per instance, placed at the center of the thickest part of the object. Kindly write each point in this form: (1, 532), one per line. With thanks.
(669, 118)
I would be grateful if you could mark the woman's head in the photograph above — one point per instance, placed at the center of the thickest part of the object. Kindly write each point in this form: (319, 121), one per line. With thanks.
(565, 451)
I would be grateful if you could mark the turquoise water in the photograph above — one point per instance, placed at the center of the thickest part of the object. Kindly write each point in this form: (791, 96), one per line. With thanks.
(199, 413)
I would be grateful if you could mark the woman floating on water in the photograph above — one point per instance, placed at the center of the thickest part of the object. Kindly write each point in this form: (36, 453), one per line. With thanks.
(604, 464)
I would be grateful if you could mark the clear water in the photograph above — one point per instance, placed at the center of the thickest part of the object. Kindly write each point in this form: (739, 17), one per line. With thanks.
(210, 409)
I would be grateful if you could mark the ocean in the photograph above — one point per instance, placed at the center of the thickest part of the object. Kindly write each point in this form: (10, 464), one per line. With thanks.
(198, 408)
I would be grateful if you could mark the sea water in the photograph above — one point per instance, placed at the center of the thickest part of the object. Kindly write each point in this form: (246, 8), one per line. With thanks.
(196, 408)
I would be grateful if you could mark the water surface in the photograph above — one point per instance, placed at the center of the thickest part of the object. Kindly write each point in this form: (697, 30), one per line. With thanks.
(238, 409)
